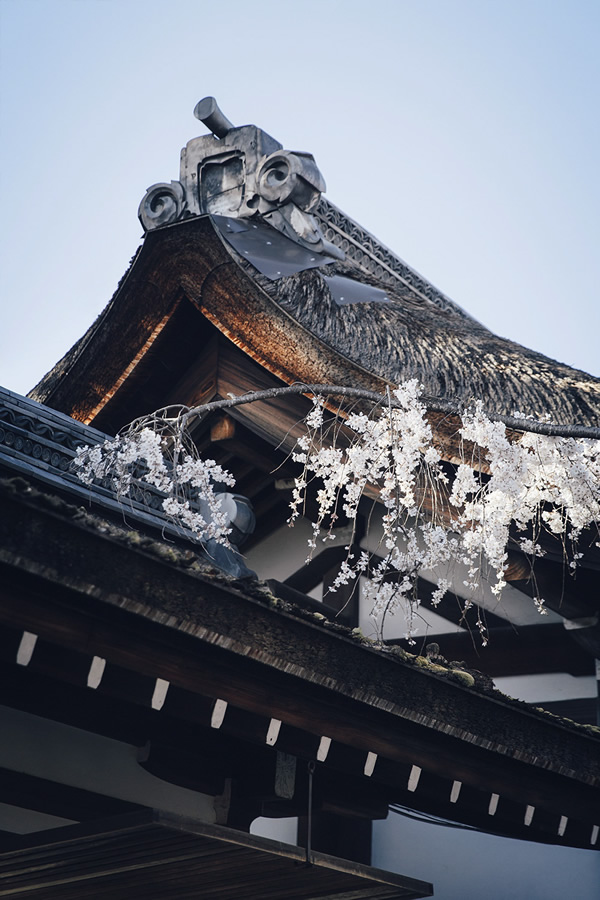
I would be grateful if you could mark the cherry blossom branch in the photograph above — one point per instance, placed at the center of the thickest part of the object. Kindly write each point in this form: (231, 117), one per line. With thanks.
(546, 479)
(447, 407)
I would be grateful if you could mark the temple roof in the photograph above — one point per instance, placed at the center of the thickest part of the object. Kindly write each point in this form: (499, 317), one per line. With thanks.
(304, 329)
(248, 218)
(454, 357)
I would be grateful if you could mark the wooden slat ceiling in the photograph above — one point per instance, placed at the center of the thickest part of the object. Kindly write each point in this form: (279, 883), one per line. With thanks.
(159, 857)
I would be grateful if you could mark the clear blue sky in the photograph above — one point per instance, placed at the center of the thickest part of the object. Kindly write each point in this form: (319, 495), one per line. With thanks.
(464, 134)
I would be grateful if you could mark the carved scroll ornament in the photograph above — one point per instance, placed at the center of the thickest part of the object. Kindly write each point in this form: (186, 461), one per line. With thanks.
(241, 172)
(162, 205)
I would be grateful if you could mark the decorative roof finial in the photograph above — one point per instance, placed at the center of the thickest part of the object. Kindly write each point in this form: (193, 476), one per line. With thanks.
(241, 172)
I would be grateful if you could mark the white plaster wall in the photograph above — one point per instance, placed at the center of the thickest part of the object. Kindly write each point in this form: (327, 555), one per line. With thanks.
(427, 623)
(67, 755)
(285, 830)
(285, 551)
(466, 865)
(463, 865)
(513, 605)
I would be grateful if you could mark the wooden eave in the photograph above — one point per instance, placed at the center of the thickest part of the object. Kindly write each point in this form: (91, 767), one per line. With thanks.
(293, 329)
(188, 260)
(159, 856)
(103, 379)
(93, 590)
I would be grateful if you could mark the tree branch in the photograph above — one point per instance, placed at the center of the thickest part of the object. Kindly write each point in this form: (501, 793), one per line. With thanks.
(447, 407)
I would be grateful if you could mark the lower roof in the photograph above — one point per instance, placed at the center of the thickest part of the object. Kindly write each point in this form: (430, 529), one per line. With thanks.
(160, 856)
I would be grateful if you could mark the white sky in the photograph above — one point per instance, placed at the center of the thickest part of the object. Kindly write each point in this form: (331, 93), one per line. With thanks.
(463, 133)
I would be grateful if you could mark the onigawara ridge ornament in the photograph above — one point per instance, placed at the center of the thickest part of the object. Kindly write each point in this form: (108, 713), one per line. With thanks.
(239, 172)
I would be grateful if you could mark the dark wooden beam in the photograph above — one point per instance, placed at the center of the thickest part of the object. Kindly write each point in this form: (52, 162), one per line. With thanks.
(214, 675)
(167, 357)
(271, 511)
(574, 595)
(452, 608)
(57, 799)
(145, 613)
(309, 576)
(233, 437)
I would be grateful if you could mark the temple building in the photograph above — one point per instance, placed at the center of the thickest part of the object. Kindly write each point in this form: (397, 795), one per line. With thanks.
(189, 720)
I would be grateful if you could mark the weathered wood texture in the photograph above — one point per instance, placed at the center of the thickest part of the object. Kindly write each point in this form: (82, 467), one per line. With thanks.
(453, 357)
(189, 261)
(296, 331)
(159, 857)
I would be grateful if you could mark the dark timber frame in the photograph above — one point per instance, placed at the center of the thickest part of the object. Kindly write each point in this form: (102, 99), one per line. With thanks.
(397, 732)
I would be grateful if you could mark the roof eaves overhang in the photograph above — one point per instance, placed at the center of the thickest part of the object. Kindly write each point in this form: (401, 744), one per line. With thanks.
(164, 856)
(80, 584)
(192, 260)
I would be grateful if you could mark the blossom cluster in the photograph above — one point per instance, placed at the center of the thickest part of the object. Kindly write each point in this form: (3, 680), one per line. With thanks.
(186, 484)
(507, 491)
(535, 483)
(507, 488)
